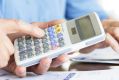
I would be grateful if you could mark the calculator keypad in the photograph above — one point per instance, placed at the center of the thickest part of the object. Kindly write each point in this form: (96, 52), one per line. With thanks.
(29, 47)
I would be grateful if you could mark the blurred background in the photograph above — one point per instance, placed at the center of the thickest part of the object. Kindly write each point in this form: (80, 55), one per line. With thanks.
(111, 7)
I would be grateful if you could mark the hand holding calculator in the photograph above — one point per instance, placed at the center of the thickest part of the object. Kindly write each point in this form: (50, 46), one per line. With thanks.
(61, 38)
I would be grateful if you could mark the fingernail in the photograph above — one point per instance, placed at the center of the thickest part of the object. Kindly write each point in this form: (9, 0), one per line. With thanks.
(39, 32)
(22, 74)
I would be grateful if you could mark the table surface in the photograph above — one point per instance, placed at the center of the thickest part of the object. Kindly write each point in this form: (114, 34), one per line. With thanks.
(91, 66)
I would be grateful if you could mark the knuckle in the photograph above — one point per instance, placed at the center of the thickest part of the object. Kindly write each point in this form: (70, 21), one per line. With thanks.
(20, 25)
(14, 23)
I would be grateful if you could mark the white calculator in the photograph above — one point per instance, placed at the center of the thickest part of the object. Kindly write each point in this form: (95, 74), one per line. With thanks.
(61, 38)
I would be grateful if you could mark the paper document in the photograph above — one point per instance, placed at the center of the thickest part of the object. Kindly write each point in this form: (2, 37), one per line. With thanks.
(106, 55)
(112, 74)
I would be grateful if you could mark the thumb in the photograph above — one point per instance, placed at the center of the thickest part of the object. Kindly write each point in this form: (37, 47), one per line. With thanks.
(15, 26)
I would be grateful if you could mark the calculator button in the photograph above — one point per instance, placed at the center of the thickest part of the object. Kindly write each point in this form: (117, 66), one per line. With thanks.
(29, 50)
(46, 49)
(45, 45)
(22, 56)
(22, 52)
(21, 48)
(58, 28)
(37, 48)
(44, 40)
(38, 52)
(36, 43)
(51, 33)
(53, 42)
(28, 41)
(60, 35)
(28, 47)
(54, 45)
(20, 39)
(53, 39)
(29, 44)
(20, 43)
(61, 44)
(50, 29)
(52, 36)
(61, 40)
(29, 54)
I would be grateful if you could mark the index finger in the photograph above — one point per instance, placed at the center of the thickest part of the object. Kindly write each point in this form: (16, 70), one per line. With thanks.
(48, 24)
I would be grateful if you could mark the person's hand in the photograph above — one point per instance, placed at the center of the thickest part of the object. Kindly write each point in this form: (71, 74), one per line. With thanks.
(112, 28)
(44, 64)
(112, 37)
(13, 26)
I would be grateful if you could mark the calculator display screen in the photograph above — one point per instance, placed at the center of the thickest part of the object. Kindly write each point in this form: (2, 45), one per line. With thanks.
(85, 28)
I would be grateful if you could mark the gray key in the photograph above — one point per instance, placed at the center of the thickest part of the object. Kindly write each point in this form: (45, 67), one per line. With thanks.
(20, 43)
(61, 40)
(61, 44)
(45, 49)
(20, 39)
(29, 54)
(44, 40)
(22, 52)
(29, 46)
(30, 50)
(38, 52)
(22, 57)
(28, 41)
(21, 48)
(45, 45)
(37, 48)
(36, 43)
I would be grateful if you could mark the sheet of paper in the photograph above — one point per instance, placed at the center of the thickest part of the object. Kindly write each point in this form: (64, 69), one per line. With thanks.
(112, 74)
(106, 53)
